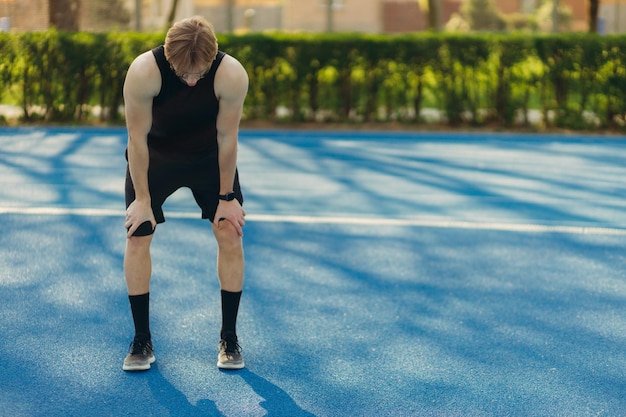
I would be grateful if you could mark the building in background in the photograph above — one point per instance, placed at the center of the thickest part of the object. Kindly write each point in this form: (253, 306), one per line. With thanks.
(247, 15)
(580, 11)
(366, 16)
(347, 16)
(24, 15)
(407, 16)
(612, 16)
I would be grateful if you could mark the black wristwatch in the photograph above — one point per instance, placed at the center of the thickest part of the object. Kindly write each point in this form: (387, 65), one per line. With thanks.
(227, 197)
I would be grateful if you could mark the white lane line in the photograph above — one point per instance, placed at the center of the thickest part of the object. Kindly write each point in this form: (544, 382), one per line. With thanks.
(450, 224)
(365, 221)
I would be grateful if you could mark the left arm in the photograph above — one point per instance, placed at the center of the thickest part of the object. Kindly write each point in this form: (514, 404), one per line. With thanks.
(231, 87)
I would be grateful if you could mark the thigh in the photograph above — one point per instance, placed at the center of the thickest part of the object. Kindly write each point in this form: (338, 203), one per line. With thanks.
(161, 184)
(207, 196)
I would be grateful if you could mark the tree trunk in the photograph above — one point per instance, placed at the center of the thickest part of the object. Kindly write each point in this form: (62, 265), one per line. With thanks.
(555, 16)
(138, 24)
(172, 15)
(593, 16)
(330, 24)
(433, 15)
(230, 15)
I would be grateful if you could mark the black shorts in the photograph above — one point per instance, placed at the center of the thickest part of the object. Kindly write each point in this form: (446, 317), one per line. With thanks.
(166, 174)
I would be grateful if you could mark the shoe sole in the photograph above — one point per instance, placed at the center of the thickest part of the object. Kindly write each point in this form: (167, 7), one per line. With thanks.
(227, 365)
(142, 367)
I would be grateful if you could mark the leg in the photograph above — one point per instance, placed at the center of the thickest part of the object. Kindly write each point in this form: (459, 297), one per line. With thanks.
(138, 265)
(230, 268)
(230, 261)
(137, 271)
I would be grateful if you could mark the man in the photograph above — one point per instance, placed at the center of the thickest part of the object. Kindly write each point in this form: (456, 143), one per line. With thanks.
(183, 103)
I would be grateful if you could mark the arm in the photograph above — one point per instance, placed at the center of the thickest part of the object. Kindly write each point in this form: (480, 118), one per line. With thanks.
(231, 87)
(143, 82)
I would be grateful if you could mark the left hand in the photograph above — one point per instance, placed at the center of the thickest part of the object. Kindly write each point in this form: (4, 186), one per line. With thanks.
(230, 211)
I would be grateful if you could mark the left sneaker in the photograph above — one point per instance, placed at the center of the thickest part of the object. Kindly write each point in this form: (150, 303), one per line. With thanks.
(229, 356)
(140, 356)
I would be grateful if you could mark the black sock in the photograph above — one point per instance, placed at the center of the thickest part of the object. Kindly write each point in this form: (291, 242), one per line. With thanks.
(140, 307)
(230, 308)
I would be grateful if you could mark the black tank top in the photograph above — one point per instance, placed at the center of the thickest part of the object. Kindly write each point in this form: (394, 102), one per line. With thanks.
(183, 117)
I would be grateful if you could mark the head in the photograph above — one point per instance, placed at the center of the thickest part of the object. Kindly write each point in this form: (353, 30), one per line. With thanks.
(191, 48)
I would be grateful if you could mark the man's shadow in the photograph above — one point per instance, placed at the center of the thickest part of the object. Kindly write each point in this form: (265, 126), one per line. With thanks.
(175, 401)
(276, 402)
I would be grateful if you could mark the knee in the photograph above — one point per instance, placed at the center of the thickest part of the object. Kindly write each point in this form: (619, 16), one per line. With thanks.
(227, 238)
(138, 244)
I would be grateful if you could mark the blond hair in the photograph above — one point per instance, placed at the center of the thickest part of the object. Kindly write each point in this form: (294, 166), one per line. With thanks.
(190, 44)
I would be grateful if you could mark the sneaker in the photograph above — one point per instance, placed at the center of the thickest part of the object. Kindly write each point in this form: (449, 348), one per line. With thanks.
(140, 356)
(230, 354)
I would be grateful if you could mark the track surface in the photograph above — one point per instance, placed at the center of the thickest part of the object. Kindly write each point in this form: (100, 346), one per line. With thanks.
(387, 275)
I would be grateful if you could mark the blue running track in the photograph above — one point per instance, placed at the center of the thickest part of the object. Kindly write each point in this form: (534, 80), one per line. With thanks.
(388, 274)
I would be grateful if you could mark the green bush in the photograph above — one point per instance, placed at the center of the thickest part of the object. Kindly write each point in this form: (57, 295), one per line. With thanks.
(575, 81)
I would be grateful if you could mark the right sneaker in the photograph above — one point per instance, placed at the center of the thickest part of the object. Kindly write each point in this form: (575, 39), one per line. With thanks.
(140, 356)
(229, 356)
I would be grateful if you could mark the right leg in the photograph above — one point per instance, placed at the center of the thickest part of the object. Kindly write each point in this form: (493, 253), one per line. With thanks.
(138, 269)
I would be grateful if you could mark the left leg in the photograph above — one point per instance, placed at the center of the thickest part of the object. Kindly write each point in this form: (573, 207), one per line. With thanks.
(230, 270)
(230, 261)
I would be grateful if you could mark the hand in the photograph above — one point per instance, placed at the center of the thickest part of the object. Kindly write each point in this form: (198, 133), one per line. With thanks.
(230, 211)
(137, 213)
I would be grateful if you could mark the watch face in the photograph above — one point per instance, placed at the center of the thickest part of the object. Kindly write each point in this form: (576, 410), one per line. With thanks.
(227, 197)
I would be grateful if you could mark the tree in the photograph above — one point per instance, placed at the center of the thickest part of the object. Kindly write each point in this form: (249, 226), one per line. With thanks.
(432, 7)
(546, 17)
(483, 15)
(593, 15)
(330, 14)
(230, 15)
(138, 25)
(555, 16)
(172, 15)
(64, 14)
(111, 13)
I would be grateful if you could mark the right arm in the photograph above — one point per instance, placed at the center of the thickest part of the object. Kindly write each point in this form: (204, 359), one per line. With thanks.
(142, 84)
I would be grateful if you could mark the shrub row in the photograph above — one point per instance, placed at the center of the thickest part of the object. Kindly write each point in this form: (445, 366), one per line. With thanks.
(575, 81)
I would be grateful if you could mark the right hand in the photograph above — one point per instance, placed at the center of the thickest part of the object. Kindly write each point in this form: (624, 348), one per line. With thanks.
(137, 213)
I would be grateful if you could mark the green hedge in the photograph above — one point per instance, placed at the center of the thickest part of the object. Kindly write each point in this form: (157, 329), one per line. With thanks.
(576, 81)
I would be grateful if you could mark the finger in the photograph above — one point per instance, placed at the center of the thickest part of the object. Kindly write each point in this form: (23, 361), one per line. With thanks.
(237, 227)
(131, 230)
(144, 229)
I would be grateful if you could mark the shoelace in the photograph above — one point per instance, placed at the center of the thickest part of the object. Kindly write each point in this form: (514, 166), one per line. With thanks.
(139, 347)
(230, 346)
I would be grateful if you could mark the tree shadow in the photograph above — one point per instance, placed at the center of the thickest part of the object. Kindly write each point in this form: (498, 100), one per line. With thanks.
(525, 178)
